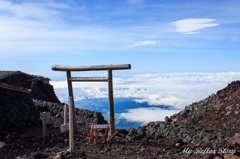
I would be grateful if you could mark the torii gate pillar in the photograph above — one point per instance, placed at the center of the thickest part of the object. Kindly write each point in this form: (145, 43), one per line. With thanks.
(111, 104)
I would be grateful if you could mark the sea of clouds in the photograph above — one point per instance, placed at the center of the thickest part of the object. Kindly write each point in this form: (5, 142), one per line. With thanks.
(169, 89)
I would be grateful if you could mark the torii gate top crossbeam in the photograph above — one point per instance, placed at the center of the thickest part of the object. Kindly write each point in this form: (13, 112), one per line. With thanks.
(91, 68)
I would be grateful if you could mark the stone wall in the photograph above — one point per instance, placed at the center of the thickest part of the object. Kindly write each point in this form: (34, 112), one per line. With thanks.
(83, 116)
(184, 133)
(17, 110)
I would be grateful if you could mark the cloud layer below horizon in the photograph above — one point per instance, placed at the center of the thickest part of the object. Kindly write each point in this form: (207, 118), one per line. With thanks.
(169, 89)
(145, 115)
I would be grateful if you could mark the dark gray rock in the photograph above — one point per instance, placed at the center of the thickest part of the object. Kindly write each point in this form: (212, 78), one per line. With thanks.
(173, 134)
(206, 139)
(191, 132)
(183, 130)
(156, 125)
(140, 131)
(149, 128)
(176, 129)
(162, 125)
(187, 139)
(165, 132)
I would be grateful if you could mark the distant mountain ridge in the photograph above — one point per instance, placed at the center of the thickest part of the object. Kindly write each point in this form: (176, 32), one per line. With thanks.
(220, 111)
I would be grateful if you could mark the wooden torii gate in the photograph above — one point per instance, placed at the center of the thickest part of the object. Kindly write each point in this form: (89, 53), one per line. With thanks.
(70, 79)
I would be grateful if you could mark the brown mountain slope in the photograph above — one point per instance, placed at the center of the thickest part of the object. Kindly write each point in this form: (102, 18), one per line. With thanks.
(220, 111)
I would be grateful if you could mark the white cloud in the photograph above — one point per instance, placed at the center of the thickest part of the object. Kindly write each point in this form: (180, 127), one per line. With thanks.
(43, 27)
(139, 43)
(31, 11)
(169, 89)
(191, 26)
(145, 115)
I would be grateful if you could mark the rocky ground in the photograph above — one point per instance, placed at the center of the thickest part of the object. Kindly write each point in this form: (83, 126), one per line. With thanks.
(220, 111)
(29, 144)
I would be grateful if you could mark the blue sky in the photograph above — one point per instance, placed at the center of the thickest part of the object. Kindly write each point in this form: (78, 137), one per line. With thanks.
(180, 51)
(155, 36)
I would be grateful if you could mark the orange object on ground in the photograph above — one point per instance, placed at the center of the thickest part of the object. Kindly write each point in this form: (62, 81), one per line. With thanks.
(95, 136)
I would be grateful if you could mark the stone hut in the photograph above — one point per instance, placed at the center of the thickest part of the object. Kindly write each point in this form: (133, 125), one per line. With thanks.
(38, 86)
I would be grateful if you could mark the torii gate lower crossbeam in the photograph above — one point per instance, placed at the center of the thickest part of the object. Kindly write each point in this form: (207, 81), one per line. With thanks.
(70, 79)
